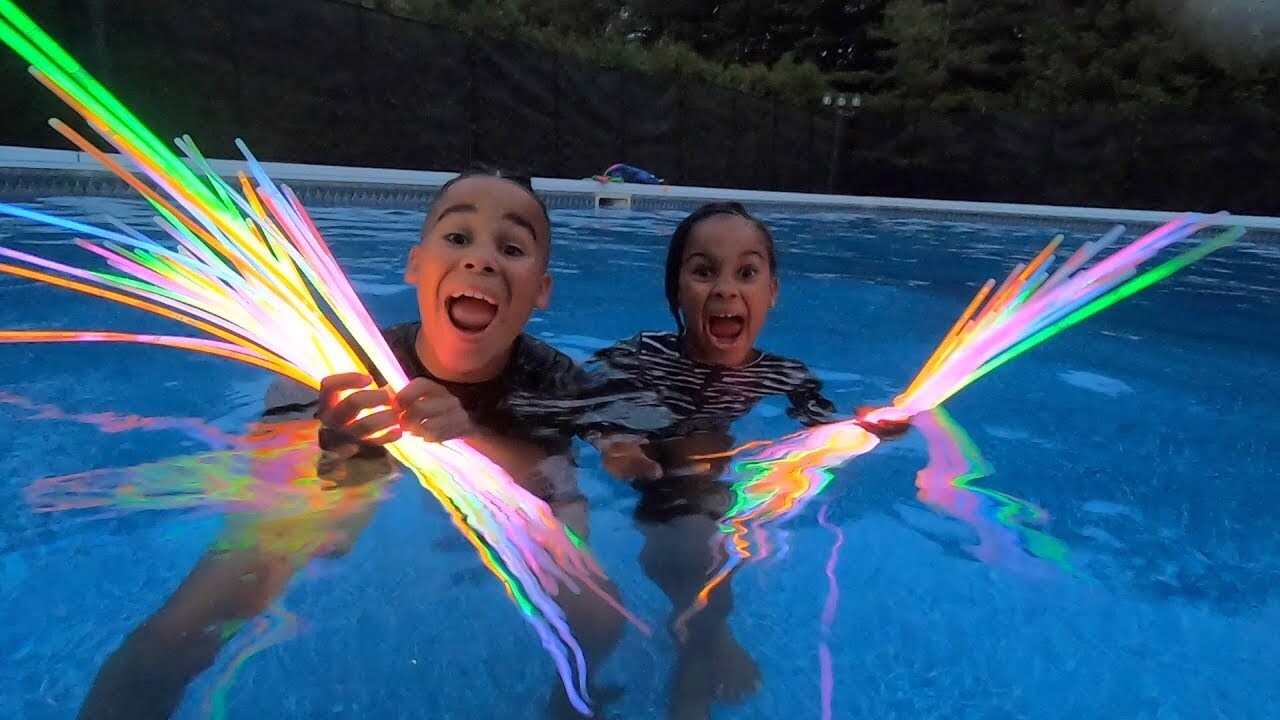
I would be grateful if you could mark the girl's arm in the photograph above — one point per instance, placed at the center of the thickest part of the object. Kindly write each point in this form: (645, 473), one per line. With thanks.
(811, 408)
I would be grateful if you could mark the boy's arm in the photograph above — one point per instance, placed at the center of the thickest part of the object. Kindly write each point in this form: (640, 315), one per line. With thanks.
(287, 400)
(613, 400)
(624, 412)
(590, 400)
(598, 401)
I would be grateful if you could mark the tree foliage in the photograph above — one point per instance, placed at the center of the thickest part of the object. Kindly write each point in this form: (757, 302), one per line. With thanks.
(612, 34)
(985, 55)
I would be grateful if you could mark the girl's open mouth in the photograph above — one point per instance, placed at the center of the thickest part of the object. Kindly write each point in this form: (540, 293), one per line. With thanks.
(725, 329)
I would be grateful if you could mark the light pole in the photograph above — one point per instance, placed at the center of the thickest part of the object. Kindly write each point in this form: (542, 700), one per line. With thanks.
(845, 105)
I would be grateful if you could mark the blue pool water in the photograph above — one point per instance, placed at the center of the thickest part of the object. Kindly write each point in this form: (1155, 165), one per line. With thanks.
(1147, 434)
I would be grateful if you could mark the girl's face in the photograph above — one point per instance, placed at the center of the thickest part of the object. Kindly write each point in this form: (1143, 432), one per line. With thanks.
(726, 289)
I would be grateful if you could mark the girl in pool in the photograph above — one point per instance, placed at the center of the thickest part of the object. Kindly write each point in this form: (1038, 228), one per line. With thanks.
(721, 282)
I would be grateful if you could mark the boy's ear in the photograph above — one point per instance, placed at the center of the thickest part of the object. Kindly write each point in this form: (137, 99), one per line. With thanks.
(773, 291)
(543, 298)
(411, 269)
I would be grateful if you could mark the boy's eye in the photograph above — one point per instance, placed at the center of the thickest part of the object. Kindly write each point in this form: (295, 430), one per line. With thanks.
(513, 250)
(748, 272)
(456, 238)
(700, 271)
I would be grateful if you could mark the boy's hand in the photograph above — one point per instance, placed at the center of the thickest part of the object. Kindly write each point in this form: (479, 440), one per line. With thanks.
(624, 459)
(431, 412)
(342, 399)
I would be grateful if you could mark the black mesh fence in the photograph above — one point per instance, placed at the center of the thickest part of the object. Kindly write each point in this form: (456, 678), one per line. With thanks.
(318, 81)
(1219, 160)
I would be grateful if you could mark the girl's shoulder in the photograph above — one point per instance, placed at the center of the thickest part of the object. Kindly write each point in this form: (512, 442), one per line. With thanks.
(784, 369)
(644, 343)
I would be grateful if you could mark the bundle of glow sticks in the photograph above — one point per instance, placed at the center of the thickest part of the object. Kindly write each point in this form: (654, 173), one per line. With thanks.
(775, 480)
(1034, 304)
(248, 267)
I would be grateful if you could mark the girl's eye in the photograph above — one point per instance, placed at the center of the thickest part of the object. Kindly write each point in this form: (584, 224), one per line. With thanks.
(456, 239)
(513, 250)
(701, 271)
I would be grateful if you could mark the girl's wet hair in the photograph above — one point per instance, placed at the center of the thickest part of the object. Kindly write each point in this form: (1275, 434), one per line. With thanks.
(680, 240)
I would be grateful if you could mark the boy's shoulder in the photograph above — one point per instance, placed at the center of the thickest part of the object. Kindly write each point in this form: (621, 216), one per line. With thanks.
(401, 335)
(530, 352)
(538, 367)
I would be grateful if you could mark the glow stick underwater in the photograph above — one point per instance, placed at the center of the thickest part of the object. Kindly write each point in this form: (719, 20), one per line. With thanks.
(251, 269)
(999, 521)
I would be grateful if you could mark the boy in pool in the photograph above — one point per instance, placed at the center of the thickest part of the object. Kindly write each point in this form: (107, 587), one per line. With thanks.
(480, 270)
(721, 282)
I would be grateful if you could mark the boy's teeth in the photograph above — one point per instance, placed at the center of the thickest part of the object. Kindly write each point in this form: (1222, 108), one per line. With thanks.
(474, 294)
(471, 311)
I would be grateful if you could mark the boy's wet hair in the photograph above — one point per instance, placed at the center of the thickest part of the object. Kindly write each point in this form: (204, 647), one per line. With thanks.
(680, 239)
(482, 170)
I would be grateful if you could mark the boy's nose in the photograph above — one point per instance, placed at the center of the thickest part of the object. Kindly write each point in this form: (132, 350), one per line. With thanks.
(483, 266)
(480, 260)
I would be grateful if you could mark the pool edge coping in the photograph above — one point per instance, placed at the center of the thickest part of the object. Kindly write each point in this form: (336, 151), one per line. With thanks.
(52, 160)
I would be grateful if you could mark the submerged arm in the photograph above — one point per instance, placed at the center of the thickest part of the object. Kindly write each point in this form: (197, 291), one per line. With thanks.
(811, 408)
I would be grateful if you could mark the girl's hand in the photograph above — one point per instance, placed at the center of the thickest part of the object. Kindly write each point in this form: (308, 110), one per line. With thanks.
(624, 458)
(885, 428)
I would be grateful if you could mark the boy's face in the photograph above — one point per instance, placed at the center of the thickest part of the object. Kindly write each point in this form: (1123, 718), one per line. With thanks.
(726, 289)
(480, 270)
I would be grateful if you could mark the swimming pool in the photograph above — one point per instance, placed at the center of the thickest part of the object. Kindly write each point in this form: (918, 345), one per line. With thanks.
(1143, 434)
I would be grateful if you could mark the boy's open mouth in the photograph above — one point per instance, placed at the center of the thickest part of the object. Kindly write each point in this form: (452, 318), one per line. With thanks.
(471, 311)
(725, 328)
